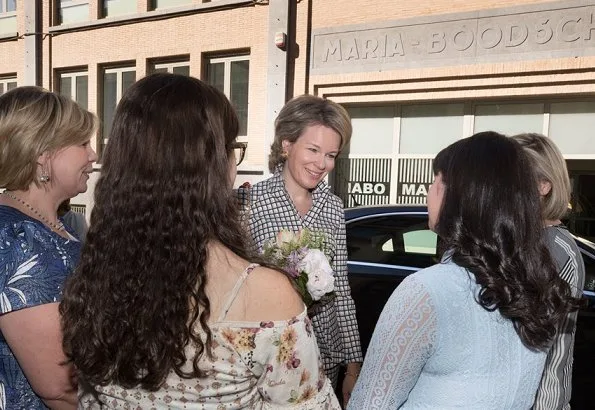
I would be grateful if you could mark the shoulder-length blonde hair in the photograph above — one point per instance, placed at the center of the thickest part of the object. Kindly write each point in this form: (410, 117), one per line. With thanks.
(33, 121)
(302, 112)
(550, 166)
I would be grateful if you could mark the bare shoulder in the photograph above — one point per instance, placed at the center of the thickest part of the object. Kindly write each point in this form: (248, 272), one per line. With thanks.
(271, 296)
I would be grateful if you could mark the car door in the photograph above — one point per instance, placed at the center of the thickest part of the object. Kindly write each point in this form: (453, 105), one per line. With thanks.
(384, 249)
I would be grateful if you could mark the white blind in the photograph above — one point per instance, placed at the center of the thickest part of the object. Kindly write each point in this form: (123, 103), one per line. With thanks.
(426, 129)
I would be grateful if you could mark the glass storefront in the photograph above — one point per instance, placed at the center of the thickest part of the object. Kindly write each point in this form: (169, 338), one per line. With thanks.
(389, 159)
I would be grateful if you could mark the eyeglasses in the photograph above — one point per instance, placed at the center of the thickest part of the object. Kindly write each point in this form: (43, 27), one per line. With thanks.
(239, 149)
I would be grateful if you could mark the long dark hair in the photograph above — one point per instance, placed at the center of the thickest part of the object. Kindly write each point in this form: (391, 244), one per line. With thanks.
(138, 294)
(490, 220)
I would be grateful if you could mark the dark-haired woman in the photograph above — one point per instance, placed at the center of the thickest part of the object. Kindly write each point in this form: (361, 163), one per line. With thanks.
(166, 309)
(473, 331)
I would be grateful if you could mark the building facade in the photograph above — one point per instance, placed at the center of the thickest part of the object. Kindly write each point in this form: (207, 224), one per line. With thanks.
(415, 76)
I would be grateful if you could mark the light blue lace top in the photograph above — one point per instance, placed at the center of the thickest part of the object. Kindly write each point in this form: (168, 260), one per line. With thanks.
(34, 263)
(435, 347)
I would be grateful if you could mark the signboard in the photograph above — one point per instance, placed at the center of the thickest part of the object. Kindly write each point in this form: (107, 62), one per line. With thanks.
(362, 181)
(540, 31)
(414, 178)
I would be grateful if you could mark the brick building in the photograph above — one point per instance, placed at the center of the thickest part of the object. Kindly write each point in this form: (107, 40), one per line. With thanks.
(415, 76)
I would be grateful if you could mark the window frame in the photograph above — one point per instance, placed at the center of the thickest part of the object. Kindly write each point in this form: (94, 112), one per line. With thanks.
(75, 3)
(6, 12)
(8, 19)
(153, 5)
(103, 10)
(169, 65)
(6, 81)
(227, 59)
(73, 74)
(118, 70)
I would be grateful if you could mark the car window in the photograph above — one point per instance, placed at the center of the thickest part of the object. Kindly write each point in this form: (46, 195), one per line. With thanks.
(398, 239)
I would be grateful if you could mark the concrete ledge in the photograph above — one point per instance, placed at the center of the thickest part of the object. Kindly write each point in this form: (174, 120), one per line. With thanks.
(9, 36)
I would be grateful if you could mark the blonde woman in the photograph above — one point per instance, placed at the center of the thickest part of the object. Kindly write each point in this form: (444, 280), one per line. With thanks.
(310, 132)
(45, 158)
(554, 188)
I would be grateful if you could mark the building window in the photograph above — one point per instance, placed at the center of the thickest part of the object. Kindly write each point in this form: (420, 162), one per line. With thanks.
(174, 67)
(7, 84)
(72, 11)
(163, 4)
(113, 8)
(7, 6)
(115, 82)
(419, 123)
(375, 125)
(571, 126)
(231, 75)
(8, 16)
(76, 86)
(509, 119)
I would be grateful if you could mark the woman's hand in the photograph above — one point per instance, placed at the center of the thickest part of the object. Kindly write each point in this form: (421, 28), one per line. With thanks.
(351, 375)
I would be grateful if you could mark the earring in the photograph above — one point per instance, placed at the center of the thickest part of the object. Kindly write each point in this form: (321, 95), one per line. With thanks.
(45, 176)
(284, 154)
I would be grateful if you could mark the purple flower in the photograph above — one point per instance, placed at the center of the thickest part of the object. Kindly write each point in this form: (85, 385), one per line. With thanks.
(293, 260)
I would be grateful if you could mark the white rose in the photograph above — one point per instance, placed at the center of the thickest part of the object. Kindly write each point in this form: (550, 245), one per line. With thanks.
(320, 274)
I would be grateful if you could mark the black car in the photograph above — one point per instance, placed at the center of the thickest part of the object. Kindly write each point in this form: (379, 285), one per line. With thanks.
(386, 243)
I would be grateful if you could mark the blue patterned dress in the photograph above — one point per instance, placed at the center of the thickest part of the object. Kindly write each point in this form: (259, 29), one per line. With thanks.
(34, 263)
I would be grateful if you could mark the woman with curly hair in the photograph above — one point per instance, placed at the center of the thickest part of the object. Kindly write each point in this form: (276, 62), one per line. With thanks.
(473, 331)
(167, 308)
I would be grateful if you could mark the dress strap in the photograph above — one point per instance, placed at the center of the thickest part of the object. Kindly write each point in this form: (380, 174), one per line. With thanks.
(235, 290)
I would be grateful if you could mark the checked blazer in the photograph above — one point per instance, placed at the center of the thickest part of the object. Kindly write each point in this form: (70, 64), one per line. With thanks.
(270, 209)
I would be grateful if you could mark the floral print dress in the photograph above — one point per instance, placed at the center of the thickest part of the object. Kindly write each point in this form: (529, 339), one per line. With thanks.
(266, 365)
(34, 264)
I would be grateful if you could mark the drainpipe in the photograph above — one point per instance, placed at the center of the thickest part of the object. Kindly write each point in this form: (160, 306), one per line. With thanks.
(280, 34)
(32, 74)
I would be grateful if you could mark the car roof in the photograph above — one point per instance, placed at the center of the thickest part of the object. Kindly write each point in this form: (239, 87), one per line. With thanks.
(377, 210)
(370, 210)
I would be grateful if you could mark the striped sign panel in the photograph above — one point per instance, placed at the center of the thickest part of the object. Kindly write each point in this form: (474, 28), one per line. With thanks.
(414, 178)
(81, 209)
(362, 181)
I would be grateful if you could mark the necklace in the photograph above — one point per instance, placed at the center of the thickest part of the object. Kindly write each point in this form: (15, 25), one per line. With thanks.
(59, 227)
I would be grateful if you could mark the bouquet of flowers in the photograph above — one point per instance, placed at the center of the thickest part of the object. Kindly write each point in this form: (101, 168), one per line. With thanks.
(301, 254)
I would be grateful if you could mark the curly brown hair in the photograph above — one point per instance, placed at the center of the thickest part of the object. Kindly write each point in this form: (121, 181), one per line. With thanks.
(490, 222)
(137, 298)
